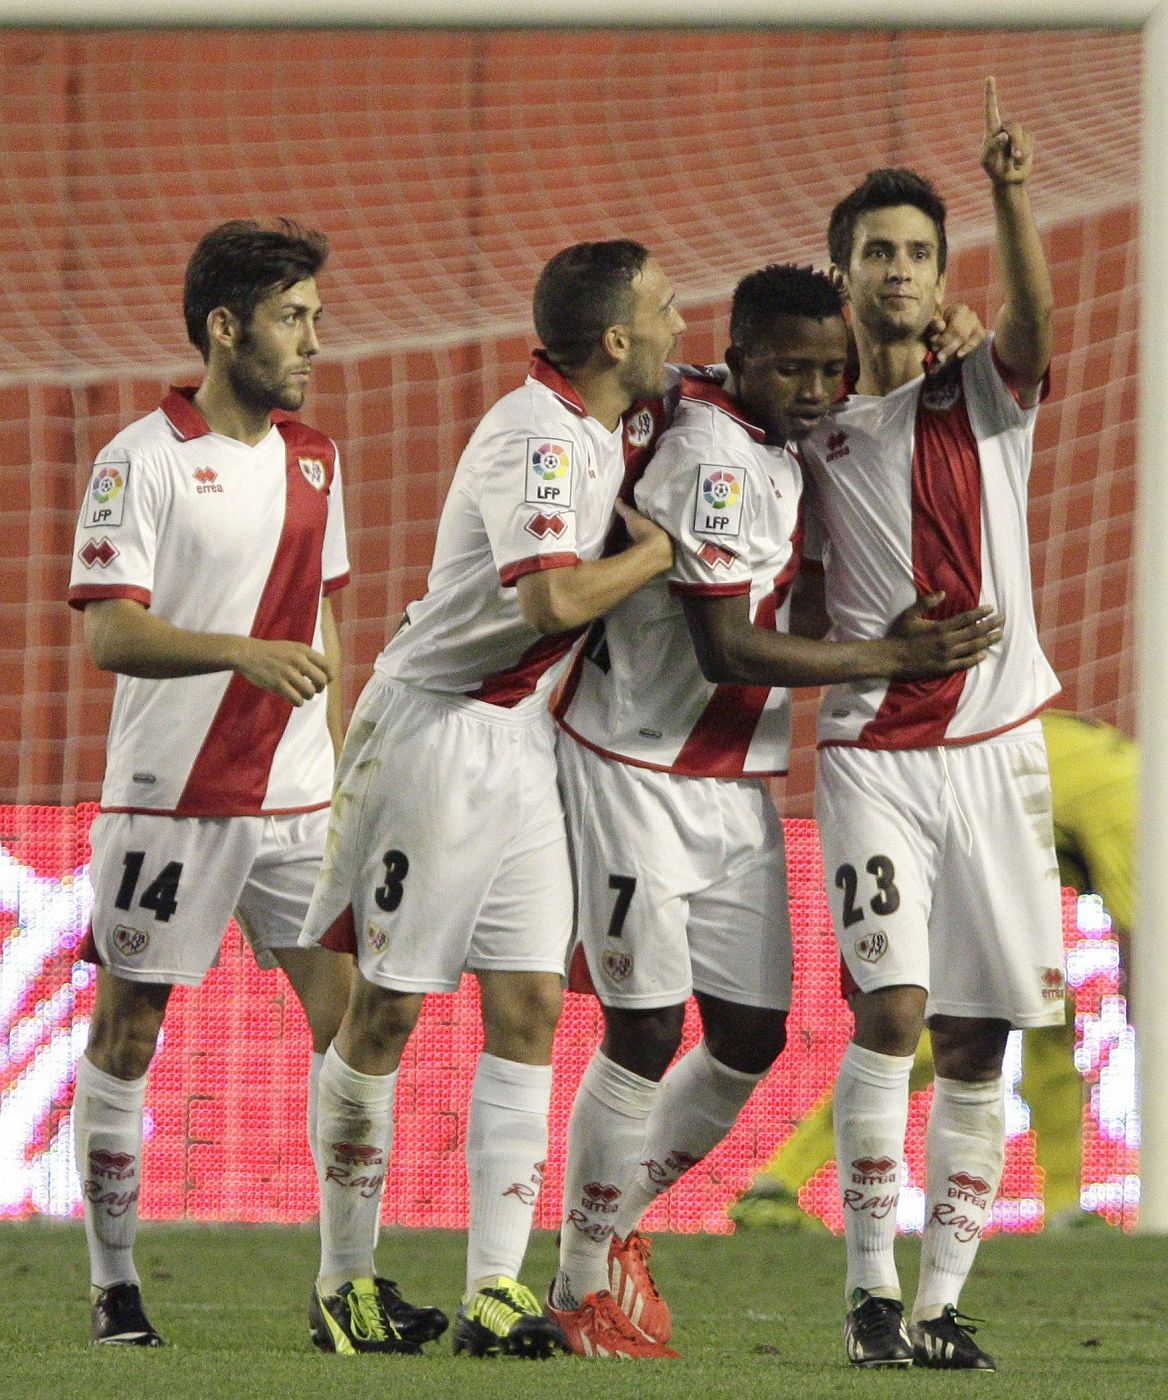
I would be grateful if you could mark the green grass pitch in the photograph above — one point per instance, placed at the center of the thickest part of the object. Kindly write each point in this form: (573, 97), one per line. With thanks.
(1082, 1313)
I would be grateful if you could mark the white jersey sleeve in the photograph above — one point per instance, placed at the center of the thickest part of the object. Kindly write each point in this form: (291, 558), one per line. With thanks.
(710, 509)
(116, 539)
(526, 485)
(335, 569)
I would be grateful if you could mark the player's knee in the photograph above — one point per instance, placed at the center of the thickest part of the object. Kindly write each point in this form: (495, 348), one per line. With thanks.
(380, 1019)
(889, 1021)
(643, 1041)
(520, 1015)
(751, 1042)
(968, 1050)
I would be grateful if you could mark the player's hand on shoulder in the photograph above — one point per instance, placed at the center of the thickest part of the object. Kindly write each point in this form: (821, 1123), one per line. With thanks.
(939, 646)
(1008, 149)
(288, 669)
(954, 332)
(644, 531)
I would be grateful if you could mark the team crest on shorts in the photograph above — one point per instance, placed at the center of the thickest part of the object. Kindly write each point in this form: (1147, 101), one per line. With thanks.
(639, 428)
(617, 966)
(1054, 983)
(941, 393)
(872, 946)
(312, 469)
(376, 936)
(130, 941)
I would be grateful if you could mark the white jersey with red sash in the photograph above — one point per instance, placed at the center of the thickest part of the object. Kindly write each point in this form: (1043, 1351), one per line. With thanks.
(731, 502)
(534, 489)
(214, 536)
(917, 491)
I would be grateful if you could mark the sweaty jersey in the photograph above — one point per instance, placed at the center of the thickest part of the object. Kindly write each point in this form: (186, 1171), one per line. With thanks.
(534, 489)
(917, 491)
(732, 505)
(214, 536)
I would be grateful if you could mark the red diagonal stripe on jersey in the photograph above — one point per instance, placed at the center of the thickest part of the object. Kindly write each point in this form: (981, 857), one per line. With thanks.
(507, 688)
(946, 545)
(230, 774)
(718, 744)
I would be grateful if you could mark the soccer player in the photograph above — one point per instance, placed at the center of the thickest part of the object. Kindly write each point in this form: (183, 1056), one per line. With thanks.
(934, 797)
(447, 848)
(211, 535)
(674, 715)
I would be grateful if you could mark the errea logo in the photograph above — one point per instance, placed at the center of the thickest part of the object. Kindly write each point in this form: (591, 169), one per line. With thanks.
(208, 479)
(837, 446)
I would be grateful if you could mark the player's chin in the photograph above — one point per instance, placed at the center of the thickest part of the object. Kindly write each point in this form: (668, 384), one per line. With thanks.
(290, 397)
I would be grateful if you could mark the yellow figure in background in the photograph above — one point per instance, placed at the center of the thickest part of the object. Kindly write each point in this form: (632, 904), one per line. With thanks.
(1094, 772)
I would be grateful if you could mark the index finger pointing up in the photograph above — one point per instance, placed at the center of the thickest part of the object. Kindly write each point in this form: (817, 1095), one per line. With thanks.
(993, 118)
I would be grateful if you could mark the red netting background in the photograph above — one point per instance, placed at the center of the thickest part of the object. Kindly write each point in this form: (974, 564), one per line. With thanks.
(447, 166)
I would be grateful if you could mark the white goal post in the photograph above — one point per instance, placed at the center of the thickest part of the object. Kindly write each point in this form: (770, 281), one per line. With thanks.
(1150, 982)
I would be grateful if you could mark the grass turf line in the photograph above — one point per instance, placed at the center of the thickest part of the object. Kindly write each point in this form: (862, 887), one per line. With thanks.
(1068, 1315)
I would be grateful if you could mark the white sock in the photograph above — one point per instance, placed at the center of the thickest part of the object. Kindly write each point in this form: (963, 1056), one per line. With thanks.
(354, 1134)
(870, 1115)
(698, 1103)
(965, 1148)
(107, 1135)
(506, 1150)
(606, 1133)
(314, 1065)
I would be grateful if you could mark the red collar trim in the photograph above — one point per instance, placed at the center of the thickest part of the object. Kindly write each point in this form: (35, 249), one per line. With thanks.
(182, 414)
(544, 372)
(704, 386)
(188, 422)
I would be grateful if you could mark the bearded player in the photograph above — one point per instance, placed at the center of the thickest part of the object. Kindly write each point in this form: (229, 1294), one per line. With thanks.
(211, 535)
(447, 846)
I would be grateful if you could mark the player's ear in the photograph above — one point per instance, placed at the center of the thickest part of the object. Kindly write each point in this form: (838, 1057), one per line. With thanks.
(940, 291)
(734, 360)
(616, 342)
(223, 327)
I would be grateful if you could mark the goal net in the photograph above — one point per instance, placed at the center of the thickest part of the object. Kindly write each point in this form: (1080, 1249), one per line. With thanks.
(446, 167)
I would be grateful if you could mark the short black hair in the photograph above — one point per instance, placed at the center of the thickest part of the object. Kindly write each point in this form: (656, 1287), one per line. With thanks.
(779, 289)
(882, 189)
(582, 291)
(239, 263)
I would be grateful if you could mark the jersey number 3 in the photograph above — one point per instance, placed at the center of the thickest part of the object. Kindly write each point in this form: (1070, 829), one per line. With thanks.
(388, 894)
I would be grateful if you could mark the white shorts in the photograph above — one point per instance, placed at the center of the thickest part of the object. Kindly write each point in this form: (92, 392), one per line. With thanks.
(166, 887)
(446, 847)
(681, 884)
(940, 871)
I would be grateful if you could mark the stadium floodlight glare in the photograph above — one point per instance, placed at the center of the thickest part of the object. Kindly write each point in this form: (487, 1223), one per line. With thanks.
(1150, 985)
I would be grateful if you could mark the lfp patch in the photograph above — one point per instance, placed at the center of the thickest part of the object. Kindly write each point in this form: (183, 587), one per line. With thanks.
(549, 473)
(106, 500)
(718, 501)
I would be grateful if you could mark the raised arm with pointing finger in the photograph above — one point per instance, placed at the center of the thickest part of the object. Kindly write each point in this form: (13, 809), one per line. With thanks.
(1023, 335)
